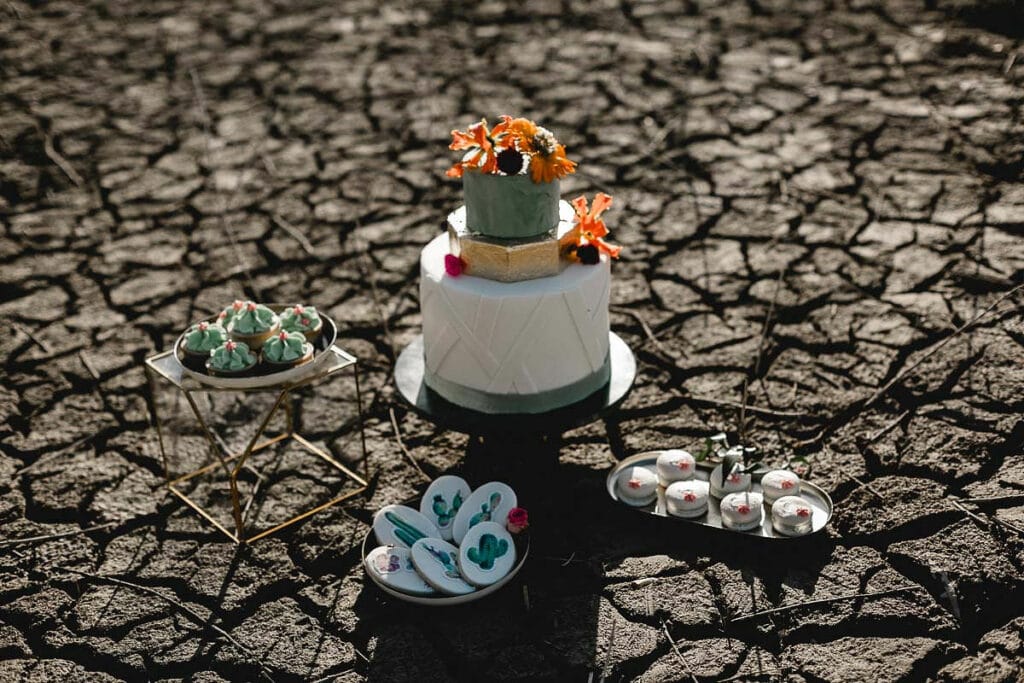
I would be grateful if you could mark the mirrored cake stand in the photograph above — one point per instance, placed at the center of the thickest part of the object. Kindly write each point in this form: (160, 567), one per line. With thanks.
(426, 403)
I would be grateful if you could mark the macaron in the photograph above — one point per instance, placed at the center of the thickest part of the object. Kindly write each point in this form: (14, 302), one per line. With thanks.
(687, 498)
(723, 483)
(675, 465)
(779, 483)
(637, 486)
(792, 516)
(741, 511)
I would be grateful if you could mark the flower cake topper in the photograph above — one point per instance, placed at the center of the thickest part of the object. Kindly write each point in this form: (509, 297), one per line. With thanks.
(502, 149)
(586, 239)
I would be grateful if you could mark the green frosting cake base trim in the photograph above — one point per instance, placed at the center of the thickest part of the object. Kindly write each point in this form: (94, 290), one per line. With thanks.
(540, 402)
(509, 207)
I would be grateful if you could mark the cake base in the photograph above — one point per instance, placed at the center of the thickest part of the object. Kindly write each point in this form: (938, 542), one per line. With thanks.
(429, 404)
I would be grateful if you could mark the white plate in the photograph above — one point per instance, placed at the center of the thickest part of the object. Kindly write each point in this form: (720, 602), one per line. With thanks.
(447, 600)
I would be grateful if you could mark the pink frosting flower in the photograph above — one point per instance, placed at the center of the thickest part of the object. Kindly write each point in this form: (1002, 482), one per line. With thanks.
(518, 520)
(453, 265)
(803, 512)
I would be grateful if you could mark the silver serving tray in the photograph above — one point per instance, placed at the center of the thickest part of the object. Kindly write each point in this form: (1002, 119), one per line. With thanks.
(522, 548)
(816, 498)
(263, 378)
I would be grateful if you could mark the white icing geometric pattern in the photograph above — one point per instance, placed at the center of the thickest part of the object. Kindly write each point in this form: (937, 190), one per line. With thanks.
(512, 362)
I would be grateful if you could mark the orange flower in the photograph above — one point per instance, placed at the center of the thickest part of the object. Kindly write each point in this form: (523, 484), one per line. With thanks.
(547, 156)
(590, 229)
(482, 145)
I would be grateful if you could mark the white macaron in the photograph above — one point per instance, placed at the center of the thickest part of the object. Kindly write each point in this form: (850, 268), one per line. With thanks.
(637, 486)
(779, 483)
(792, 516)
(742, 511)
(675, 465)
(687, 498)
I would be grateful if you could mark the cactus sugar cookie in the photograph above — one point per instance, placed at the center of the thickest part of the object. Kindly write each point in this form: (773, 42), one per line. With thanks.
(443, 500)
(393, 567)
(489, 503)
(437, 561)
(487, 554)
(402, 526)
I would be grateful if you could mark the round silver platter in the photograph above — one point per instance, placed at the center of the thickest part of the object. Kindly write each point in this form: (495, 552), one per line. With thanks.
(816, 498)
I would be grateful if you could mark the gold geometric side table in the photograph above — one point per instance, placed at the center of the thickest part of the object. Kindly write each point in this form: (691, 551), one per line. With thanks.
(165, 366)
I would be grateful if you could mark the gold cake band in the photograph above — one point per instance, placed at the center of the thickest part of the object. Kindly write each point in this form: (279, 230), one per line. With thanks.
(511, 260)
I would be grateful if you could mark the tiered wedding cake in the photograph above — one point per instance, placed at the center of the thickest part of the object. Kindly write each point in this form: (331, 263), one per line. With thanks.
(515, 295)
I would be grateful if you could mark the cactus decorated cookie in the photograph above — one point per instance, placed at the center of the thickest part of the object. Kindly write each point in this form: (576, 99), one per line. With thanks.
(437, 561)
(393, 567)
(402, 526)
(489, 503)
(442, 501)
(487, 554)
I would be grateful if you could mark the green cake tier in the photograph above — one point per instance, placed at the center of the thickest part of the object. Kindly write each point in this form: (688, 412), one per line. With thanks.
(509, 207)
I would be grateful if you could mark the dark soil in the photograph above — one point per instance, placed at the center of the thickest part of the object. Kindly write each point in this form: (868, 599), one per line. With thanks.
(159, 159)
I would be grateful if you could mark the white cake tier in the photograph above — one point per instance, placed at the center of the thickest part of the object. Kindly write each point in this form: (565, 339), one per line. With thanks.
(514, 347)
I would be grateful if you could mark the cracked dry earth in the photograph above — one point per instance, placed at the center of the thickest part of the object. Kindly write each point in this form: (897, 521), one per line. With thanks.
(160, 159)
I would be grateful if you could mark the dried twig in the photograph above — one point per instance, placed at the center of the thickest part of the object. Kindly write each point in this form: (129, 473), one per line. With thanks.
(264, 670)
(56, 454)
(88, 365)
(370, 275)
(207, 137)
(868, 486)
(986, 522)
(888, 428)
(978, 500)
(61, 162)
(648, 332)
(51, 537)
(752, 409)
(678, 652)
(334, 677)
(401, 445)
(31, 335)
(933, 350)
(756, 372)
(303, 241)
(824, 601)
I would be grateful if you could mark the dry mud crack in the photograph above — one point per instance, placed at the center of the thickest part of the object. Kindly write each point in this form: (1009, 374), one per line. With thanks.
(853, 166)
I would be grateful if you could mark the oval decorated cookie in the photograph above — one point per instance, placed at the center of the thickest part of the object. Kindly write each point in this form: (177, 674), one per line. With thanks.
(437, 561)
(401, 525)
(393, 567)
(487, 554)
(489, 503)
(442, 501)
